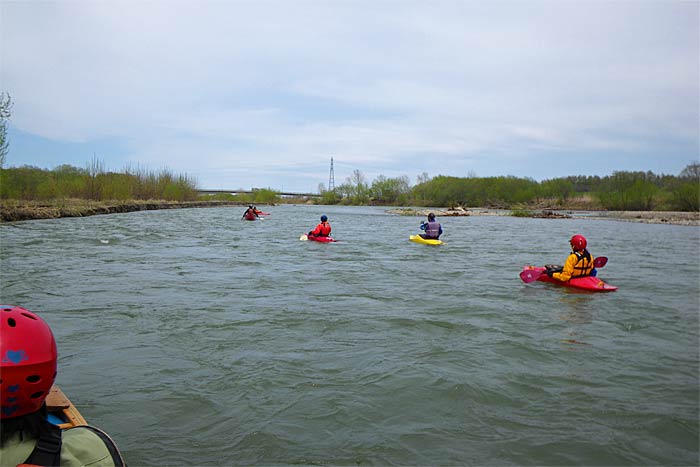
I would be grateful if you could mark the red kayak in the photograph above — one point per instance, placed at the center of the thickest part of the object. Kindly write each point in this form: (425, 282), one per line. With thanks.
(590, 283)
(250, 217)
(317, 239)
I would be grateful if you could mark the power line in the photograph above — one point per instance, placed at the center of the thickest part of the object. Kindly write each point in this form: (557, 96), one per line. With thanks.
(331, 178)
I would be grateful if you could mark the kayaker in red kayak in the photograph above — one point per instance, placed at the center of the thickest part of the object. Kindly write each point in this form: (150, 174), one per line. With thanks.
(578, 264)
(250, 214)
(323, 229)
(432, 228)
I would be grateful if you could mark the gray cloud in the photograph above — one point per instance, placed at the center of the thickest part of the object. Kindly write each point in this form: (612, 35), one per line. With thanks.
(211, 86)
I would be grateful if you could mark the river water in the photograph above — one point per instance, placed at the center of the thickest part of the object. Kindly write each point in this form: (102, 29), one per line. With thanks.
(194, 338)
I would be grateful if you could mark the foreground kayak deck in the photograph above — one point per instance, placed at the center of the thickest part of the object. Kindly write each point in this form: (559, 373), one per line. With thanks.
(419, 239)
(61, 410)
(590, 283)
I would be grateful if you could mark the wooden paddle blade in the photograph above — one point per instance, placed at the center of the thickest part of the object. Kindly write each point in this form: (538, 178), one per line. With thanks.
(600, 261)
(530, 275)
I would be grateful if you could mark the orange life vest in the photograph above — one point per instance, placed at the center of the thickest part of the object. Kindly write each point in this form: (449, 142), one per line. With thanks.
(322, 230)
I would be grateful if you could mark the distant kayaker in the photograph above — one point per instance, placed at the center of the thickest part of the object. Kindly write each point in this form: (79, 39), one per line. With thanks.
(432, 228)
(323, 229)
(28, 362)
(578, 264)
(250, 214)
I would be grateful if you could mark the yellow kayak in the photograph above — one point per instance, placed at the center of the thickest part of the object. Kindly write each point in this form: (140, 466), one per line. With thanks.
(419, 239)
(61, 410)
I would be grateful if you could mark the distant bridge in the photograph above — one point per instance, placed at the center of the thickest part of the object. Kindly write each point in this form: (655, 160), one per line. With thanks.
(250, 192)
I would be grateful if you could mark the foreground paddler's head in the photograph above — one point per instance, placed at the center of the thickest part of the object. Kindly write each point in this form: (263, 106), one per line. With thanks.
(578, 242)
(27, 361)
(324, 218)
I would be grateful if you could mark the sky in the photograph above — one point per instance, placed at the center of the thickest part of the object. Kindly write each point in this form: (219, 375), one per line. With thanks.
(263, 93)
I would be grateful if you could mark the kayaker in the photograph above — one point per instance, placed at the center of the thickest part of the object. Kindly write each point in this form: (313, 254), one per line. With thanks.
(28, 359)
(432, 228)
(323, 229)
(578, 264)
(250, 214)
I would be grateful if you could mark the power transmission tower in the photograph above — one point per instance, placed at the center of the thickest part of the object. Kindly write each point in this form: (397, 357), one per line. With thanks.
(331, 178)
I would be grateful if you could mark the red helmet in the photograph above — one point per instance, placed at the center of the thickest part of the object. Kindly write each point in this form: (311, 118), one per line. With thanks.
(578, 242)
(27, 361)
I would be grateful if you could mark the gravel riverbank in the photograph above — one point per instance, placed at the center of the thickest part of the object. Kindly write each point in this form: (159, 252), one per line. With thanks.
(649, 217)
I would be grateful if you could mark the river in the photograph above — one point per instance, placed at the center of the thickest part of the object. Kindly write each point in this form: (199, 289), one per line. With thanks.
(194, 338)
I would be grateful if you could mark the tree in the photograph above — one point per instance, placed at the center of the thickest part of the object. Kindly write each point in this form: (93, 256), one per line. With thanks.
(358, 190)
(390, 190)
(691, 172)
(628, 191)
(5, 112)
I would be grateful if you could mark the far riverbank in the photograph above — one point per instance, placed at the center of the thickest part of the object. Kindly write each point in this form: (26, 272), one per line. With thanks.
(17, 211)
(14, 211)
(648, 217)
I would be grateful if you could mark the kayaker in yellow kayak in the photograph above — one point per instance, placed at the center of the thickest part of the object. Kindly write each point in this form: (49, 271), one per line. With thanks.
(432, 228)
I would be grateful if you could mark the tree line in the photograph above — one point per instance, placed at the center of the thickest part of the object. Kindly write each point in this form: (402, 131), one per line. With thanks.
(621, 191)
(94, 183)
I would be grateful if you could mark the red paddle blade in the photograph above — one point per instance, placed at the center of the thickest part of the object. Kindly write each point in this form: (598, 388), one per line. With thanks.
(600, 261)
(530, 275)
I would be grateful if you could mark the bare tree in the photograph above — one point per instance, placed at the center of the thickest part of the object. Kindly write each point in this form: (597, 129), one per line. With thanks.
(691, 172)
(5, 112)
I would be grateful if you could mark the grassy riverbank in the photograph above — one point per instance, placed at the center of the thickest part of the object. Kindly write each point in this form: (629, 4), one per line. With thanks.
(13, 210)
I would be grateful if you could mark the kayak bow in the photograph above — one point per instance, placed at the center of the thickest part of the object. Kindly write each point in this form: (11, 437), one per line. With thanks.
(424, 241)
(62, 412)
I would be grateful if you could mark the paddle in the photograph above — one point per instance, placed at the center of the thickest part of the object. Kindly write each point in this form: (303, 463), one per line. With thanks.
(531, 275)
(304, 238)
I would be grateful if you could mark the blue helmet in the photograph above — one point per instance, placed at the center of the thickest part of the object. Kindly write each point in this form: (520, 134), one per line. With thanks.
(324, 218)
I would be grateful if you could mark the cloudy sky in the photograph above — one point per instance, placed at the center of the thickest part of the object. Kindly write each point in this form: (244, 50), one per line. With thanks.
(262, 93)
